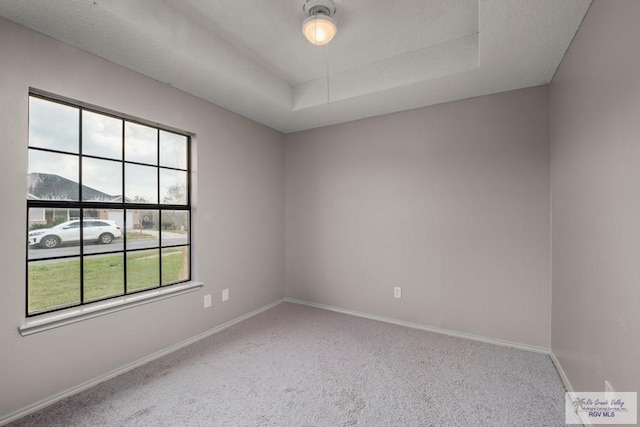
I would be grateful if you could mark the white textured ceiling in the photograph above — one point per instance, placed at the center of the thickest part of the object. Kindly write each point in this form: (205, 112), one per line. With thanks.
(249, 56)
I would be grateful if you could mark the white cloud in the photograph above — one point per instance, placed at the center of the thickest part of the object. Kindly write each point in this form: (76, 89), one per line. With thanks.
(140, 144)
(53, 125)
(141, 181)
(63, 165)
(101, 135)
(102, 175)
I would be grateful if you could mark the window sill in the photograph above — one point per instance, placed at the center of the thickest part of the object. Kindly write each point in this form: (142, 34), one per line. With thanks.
(78, 314)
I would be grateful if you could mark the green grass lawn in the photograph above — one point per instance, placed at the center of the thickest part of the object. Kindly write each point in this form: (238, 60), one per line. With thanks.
(57, 284)
(138, 235)
(141, 235)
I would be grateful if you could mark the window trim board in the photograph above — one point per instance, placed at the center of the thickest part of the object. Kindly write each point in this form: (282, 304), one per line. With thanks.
(81, 204)
(80, 313)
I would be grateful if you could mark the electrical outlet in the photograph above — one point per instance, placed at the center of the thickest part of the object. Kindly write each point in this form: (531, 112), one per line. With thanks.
(397, 292)
(207, 301)
(225, 295)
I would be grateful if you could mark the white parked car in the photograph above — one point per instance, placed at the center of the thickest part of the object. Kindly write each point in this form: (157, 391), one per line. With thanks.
(97, 230)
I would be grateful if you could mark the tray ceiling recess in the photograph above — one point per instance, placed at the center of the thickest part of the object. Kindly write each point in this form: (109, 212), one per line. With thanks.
(251, 57)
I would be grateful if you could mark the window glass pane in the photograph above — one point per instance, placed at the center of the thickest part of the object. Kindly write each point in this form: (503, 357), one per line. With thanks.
(52, 176)
(49, 217)
(143, 270)
(175, 228)
(175, 265)
(103, 230)
(53, 125)
(103, 276)
(81, 249)
(101, 180)
(173, 187)
(53, 284)
(101, 135)
(36, 217)
(140, 143)
(55, 237)
(141, 184)
(173, 150)
(142, 229)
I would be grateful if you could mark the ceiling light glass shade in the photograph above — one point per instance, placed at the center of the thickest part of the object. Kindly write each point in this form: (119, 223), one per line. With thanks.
(319, 29)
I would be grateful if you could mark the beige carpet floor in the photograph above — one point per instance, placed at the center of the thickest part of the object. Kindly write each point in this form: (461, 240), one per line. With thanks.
(295, 365)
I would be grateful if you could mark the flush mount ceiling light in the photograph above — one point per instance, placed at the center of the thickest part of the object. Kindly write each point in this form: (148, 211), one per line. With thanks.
(319, 28)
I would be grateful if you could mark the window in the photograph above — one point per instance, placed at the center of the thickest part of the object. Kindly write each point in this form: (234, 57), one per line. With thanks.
(108, 206)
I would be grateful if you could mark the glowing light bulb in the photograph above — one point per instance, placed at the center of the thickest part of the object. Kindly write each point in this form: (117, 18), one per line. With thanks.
(319, 29)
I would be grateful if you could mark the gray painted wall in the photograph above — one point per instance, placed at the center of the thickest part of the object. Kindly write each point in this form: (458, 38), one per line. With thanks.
(449, 202)
(595, 139)
(238, 219)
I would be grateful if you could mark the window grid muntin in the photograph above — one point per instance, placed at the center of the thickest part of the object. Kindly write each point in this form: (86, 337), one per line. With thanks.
(123, 205)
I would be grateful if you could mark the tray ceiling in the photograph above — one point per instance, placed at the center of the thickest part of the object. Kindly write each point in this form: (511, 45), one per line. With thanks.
(249, 56)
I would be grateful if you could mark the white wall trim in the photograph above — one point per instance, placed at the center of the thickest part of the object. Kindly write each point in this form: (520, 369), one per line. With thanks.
(57, 319)
(496, 341)
(128, 367)
(102, 378)
(567, 383)
(563, 375)
(473, 337)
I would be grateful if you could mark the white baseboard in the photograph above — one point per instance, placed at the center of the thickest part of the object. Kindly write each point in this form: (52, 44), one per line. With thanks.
(563, 375)
(565, 380)
(422, 327)
(504, 343)
(93, 382)
(102, 378)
